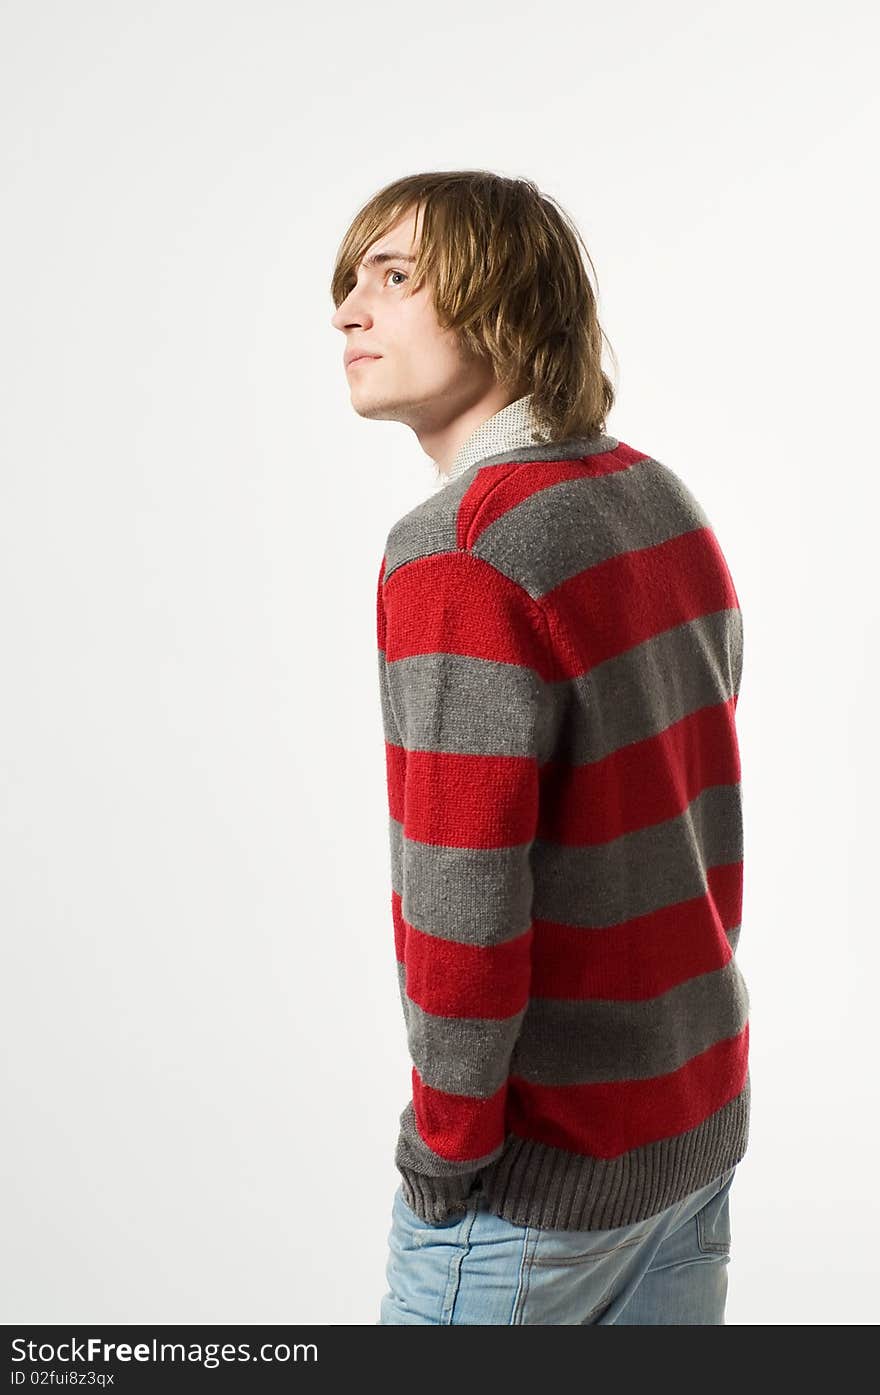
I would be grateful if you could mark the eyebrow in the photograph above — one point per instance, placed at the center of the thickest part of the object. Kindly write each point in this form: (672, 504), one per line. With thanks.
(377, 258)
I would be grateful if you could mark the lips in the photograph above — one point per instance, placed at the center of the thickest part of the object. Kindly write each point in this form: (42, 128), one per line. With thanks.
(363, 358)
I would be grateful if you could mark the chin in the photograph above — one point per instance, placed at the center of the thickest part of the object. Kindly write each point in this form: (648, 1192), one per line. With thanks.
(375, 410)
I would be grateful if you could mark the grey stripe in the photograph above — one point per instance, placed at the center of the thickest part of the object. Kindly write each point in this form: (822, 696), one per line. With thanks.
(585, 1041)
(640, 692)
(460, 704)
(390, 729)
(481, 896)
(560, 1041)
(432, 525)
(462, 1055)
(643, 871)
(652, 685)
(605, 515)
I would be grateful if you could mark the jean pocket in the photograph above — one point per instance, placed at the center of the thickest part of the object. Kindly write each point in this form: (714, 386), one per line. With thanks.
(713, 1220)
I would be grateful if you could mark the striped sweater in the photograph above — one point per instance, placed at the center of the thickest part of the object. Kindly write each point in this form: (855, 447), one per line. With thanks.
(560, 652)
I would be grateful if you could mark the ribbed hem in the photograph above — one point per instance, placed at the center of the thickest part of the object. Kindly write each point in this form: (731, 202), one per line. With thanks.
(532, 1184)
(536, 1185)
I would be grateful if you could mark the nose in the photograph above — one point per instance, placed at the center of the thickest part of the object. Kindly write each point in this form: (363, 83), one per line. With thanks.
(351, 315)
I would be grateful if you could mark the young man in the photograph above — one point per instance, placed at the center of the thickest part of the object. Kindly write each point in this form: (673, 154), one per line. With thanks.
(560, 653)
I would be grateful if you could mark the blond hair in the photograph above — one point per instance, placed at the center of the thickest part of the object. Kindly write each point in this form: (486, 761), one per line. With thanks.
(508, 276)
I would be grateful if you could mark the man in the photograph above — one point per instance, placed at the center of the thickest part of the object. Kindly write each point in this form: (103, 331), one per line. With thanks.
(560, 652)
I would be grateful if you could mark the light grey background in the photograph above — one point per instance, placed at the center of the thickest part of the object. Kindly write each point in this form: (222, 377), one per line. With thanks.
(205, 1058)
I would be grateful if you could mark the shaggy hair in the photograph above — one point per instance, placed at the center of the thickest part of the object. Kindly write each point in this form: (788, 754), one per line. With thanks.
(506, 272)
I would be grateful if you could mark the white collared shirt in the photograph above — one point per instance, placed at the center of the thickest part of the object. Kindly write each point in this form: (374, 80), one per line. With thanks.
(510, 429)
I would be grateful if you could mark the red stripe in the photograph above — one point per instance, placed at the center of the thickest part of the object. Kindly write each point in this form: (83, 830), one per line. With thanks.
(399, 926)
(613, 605)
(498, 489)
(491, 618)
(641, 783)
(458, 1127)
(395, 779)
(466, 801)
(638, 959)
(451, 979)
(380, 607)
(642, 957)
(480, 801)
(611, 1117)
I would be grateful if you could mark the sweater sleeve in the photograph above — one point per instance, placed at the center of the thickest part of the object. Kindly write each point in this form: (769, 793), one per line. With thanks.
(465, 666)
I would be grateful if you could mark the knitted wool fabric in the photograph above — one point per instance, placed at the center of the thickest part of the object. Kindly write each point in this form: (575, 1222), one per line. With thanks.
(560, 653)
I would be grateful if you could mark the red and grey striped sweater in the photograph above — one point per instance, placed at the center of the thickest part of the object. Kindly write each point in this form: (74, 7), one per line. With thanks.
(560, 652)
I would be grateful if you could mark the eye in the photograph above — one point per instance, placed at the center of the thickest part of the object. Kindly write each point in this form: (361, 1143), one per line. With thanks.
(398, 273)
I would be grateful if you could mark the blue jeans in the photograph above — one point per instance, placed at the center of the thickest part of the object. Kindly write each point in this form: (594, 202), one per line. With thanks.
(670, 1269)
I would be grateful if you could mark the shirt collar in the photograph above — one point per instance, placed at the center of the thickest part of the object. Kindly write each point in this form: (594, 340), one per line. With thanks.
(511, 428)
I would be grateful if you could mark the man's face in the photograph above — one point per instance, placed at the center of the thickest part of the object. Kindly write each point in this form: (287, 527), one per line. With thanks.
(420, 375)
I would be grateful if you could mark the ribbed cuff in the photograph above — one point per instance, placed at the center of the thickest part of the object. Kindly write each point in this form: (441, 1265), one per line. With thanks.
(437, 1200)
